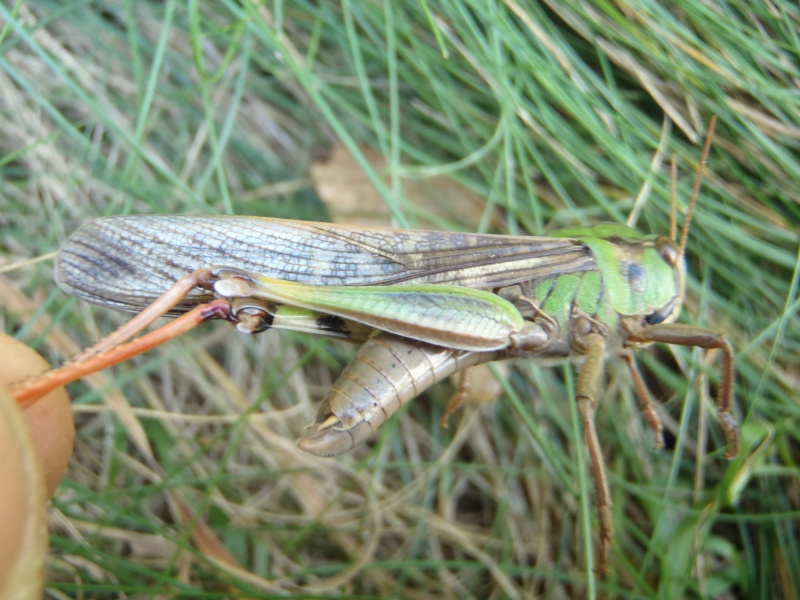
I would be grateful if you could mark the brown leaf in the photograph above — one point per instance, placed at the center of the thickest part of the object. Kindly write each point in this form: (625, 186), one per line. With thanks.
(353, 200)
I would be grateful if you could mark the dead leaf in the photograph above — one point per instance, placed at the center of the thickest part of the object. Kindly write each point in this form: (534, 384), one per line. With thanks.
(353, 200)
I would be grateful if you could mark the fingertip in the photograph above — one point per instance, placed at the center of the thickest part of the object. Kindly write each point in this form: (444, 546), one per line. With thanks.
(49, 418)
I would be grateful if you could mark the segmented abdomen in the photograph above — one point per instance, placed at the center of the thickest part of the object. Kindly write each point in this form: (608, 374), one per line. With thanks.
(387, 372)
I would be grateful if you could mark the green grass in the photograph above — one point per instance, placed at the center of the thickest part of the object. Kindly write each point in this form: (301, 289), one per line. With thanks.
(553, 114)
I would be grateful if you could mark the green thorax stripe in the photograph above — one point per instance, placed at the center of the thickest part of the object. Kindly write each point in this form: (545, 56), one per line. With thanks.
(585, 291)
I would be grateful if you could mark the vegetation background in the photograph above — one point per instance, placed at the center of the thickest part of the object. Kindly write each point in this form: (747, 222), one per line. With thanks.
(186, 480)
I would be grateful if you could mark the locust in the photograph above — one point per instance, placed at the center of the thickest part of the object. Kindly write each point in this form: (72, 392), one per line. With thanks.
(421, 304)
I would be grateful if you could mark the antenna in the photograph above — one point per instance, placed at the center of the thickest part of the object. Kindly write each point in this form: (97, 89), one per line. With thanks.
(673, 197)
(696, 189)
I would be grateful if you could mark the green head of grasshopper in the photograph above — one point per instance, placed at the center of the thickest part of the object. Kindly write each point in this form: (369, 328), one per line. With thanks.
(644, 274)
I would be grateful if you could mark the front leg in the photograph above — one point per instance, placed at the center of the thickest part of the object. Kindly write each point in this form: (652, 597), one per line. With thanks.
(690, 335)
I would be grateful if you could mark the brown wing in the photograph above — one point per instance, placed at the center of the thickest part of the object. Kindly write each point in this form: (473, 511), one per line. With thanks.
(126, 262)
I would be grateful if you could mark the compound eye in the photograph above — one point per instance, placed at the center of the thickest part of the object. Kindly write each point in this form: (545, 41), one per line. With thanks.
(665, 313)
(667, 251)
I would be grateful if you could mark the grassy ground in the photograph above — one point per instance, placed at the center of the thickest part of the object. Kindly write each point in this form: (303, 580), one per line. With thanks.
(554, 115)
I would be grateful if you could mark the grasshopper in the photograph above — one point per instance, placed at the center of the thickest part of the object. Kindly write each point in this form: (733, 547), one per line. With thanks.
(422, 304)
